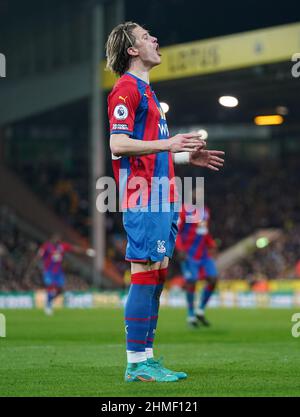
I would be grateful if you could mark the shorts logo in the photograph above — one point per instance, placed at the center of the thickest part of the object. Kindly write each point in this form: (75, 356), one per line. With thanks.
(121, 112)
(161, 246)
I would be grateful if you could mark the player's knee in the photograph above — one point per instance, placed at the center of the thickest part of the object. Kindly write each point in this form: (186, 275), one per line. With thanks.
(137, 267)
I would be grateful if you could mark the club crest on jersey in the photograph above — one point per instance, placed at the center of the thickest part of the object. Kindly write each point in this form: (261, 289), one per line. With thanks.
(121, 112)
(161, 246)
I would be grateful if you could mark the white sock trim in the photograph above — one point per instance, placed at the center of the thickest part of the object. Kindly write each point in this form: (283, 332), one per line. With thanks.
(149, 353)
(135, 357)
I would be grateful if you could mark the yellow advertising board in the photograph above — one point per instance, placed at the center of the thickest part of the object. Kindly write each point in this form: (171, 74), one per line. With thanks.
(264, 46)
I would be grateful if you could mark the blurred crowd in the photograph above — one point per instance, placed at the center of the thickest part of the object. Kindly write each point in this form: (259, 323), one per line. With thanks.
(242, 198)
(247, 198)
(17, 249)
(280, 259)
(66, 193)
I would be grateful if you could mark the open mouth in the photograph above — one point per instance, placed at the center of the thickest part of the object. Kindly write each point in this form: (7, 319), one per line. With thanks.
(157, 50)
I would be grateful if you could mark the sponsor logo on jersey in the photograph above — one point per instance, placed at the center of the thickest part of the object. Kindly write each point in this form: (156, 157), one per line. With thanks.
(123, 98)
(120, 126)
(163, 128)
(161, 246)
(121, 112)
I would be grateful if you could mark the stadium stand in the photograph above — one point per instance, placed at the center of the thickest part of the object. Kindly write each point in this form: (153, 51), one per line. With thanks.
(248, 199)
(276, 261)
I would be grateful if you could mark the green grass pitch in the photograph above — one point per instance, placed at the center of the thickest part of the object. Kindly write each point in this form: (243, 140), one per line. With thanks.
(81, 353)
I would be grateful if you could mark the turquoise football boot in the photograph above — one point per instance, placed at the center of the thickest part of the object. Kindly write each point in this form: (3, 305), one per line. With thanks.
(159, 365)
(143, 372)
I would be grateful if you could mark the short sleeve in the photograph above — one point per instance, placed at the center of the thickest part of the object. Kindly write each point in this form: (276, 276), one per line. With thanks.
(122, 106)
(67, 247)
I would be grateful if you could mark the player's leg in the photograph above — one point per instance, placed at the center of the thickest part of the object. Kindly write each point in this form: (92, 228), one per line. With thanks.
(157, 364)
(165, 223)
(59, 281)
(211, 277)
(138, 310)
(50, 293)
(160, 238)
(190, 273)
(54, 287)
(144, 280)
(162, 275)
(147, 240)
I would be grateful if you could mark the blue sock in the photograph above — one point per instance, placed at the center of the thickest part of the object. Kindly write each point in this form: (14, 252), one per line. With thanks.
(154, 315)
(50, 297)
(162, 274)
(190, 297)
(205, 296)
(138, 309)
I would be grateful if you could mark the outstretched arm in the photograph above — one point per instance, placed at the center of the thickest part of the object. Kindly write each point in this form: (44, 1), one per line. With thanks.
(79, 250)
(202, 158)
(123, 145)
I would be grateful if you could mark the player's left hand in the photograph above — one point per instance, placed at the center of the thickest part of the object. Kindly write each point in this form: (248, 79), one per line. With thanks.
(207, 159)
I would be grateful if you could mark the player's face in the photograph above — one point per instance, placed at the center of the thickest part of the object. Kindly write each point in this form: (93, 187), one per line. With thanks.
(147, 46)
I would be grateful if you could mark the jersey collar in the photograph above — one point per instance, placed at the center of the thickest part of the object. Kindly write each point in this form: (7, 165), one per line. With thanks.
(135, 77)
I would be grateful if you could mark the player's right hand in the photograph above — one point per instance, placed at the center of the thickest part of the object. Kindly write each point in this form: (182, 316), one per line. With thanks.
(186, 142)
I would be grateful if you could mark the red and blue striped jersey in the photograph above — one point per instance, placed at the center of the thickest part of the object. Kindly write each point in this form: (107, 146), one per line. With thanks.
(194, 238)
(52, 255)
(134, 109)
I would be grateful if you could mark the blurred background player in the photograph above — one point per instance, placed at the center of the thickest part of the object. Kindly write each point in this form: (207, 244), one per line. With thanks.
(195, 246)
(52, 253)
